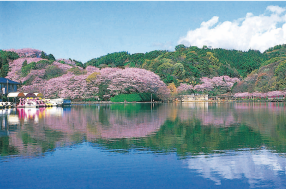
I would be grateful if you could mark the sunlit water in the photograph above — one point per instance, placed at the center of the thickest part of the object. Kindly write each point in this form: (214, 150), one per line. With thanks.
(189, 145)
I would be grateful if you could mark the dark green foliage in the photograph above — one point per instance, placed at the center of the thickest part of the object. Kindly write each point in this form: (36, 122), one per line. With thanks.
(227, 70)
(43, 55)
(4, 70)
(136, 97)
(103, 90)
(153, 54)
(29, 81)
(5, 57)
(49, 57)
(25, 70)
(11, 55)
(180, 47)
(136, 60)
(42, 64)
(52, 72)
(179, 71)
(24, 63)
(243, 62)
(116, 59)
(78, 63)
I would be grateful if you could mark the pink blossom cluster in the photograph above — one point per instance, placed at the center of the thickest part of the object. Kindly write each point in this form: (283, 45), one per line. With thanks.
(270, 94)
(91, 69)
(118, 80)
(15, 68)
(132, 80)
(276, 93)
(64, 67)
(27, 52)
(184, 87)
(210, 83)
(34, 73)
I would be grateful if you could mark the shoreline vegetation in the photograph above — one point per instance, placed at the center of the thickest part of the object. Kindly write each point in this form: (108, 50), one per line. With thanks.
(161, 102)
(121, 76)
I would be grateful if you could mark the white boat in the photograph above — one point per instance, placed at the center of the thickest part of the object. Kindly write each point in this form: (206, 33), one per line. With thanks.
(61, 101)
(31, 104)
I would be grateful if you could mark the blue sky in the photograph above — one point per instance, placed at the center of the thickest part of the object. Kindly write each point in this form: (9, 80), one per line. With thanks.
(86, 30)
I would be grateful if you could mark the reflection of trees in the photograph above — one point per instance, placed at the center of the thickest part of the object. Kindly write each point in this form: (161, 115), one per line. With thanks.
(53, 127)
(205, 128)
(182, 128)
(190, 137)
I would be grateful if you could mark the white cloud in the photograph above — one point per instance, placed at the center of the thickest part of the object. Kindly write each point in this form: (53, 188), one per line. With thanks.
(251, 32)
(211, 22)
(276, 9)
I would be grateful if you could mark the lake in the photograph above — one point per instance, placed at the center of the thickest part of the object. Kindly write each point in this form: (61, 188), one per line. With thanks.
(184, 145)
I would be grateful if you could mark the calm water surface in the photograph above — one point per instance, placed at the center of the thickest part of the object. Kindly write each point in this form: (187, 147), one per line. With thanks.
(189, 145)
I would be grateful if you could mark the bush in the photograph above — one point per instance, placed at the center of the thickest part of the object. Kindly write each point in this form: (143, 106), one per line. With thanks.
(136, 97)
(92, 77)
(29, 81)
(77, 71)
(25, 70)
(42, 64)
(52, 72)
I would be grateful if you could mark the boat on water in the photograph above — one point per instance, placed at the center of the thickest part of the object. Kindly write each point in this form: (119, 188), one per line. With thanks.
(49, 103)
(33, 100)
(61, 101)
(27, 103)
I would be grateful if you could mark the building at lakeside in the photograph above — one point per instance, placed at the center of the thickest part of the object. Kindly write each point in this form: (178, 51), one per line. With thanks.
(194, 97)
(8, 86)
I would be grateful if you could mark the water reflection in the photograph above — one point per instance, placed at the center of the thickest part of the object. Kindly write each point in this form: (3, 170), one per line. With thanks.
(218, 141)
(185, 128)
(257, 166)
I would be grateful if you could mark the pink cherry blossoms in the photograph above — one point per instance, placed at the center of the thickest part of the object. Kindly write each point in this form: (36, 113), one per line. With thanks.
(27, 52)
(15, 68)
(184, 87)
(271, 94)
(127, 80)
(210, 83)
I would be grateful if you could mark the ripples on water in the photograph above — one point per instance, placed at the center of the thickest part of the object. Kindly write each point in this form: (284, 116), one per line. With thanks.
(201, 145)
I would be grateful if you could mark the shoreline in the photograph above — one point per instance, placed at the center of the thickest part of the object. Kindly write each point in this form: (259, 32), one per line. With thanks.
(159, 102)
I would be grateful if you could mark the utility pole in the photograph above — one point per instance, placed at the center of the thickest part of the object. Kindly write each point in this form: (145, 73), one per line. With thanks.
(7, 90)
(151, 97)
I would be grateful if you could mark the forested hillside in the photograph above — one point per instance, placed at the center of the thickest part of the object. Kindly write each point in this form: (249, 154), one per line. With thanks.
(187, 62)
(185, 70)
